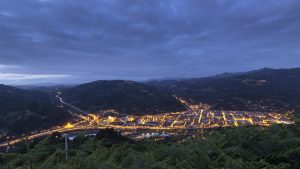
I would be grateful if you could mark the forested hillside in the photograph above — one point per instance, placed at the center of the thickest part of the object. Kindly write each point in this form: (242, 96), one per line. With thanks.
(261, 90)
(276, 147)
(23, 111)
(124, 96)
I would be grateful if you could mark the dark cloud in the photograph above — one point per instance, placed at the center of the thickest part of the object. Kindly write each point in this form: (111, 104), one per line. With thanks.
(76, 41)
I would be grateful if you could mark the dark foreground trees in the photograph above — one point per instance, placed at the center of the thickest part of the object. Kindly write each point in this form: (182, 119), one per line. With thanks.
(275, 147)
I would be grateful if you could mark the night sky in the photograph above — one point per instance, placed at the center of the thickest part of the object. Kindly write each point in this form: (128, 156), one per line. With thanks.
(75, 41)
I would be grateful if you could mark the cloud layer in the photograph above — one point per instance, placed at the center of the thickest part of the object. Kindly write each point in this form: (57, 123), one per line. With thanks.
(133, 39)
(16, 77)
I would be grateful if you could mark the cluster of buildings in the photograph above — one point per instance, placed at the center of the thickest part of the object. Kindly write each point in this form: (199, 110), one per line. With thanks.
(198, 116)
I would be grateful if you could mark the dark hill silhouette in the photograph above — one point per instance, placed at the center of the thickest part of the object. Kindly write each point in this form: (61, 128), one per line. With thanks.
(124, 96)
(22, 111)
(259, 90)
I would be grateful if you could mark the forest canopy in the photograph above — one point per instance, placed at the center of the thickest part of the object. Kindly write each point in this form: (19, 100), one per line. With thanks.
(276, 147)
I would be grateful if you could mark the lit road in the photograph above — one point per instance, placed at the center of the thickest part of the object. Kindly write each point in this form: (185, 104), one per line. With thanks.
(67, 104)
(78, 128)
(196, 117)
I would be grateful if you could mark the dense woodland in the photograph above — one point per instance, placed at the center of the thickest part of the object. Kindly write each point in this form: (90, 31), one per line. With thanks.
(37, 108)
(253, 147)
(124, 96)
(260, 90)
(275, 147)
(32, 109)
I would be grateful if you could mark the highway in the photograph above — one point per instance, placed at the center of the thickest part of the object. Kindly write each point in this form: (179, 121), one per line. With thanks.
(79, 128)
(48, 132)
(85, 126)
(194, 118)
(73, 107)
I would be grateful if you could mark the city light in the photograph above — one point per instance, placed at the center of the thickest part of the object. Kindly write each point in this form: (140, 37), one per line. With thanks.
(69, 126)
(196, 117)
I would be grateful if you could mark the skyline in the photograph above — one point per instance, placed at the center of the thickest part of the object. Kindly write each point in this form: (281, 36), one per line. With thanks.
(54, 41)
(44, 80)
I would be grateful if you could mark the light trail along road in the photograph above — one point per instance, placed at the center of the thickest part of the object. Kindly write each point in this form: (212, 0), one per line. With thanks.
(194, 118)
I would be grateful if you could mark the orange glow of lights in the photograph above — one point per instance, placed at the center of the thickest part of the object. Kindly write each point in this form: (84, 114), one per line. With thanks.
(111, 119)
(224, 118)
(69, 126)
(234, 119)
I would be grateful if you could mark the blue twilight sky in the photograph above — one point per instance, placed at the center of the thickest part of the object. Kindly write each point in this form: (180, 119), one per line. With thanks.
(74, 41)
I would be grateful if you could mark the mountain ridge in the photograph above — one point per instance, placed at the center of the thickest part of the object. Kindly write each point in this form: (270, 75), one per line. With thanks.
(22, 111)
(259, 90)
(124, 96)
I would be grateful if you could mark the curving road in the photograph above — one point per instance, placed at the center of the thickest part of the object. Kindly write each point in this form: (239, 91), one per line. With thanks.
(73, 107)
(78, 128)
(89, 126)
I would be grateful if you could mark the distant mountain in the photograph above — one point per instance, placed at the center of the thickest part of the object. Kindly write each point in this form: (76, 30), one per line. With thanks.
(22, 111)
(259, 90)
(43, 87)
(124, 96)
